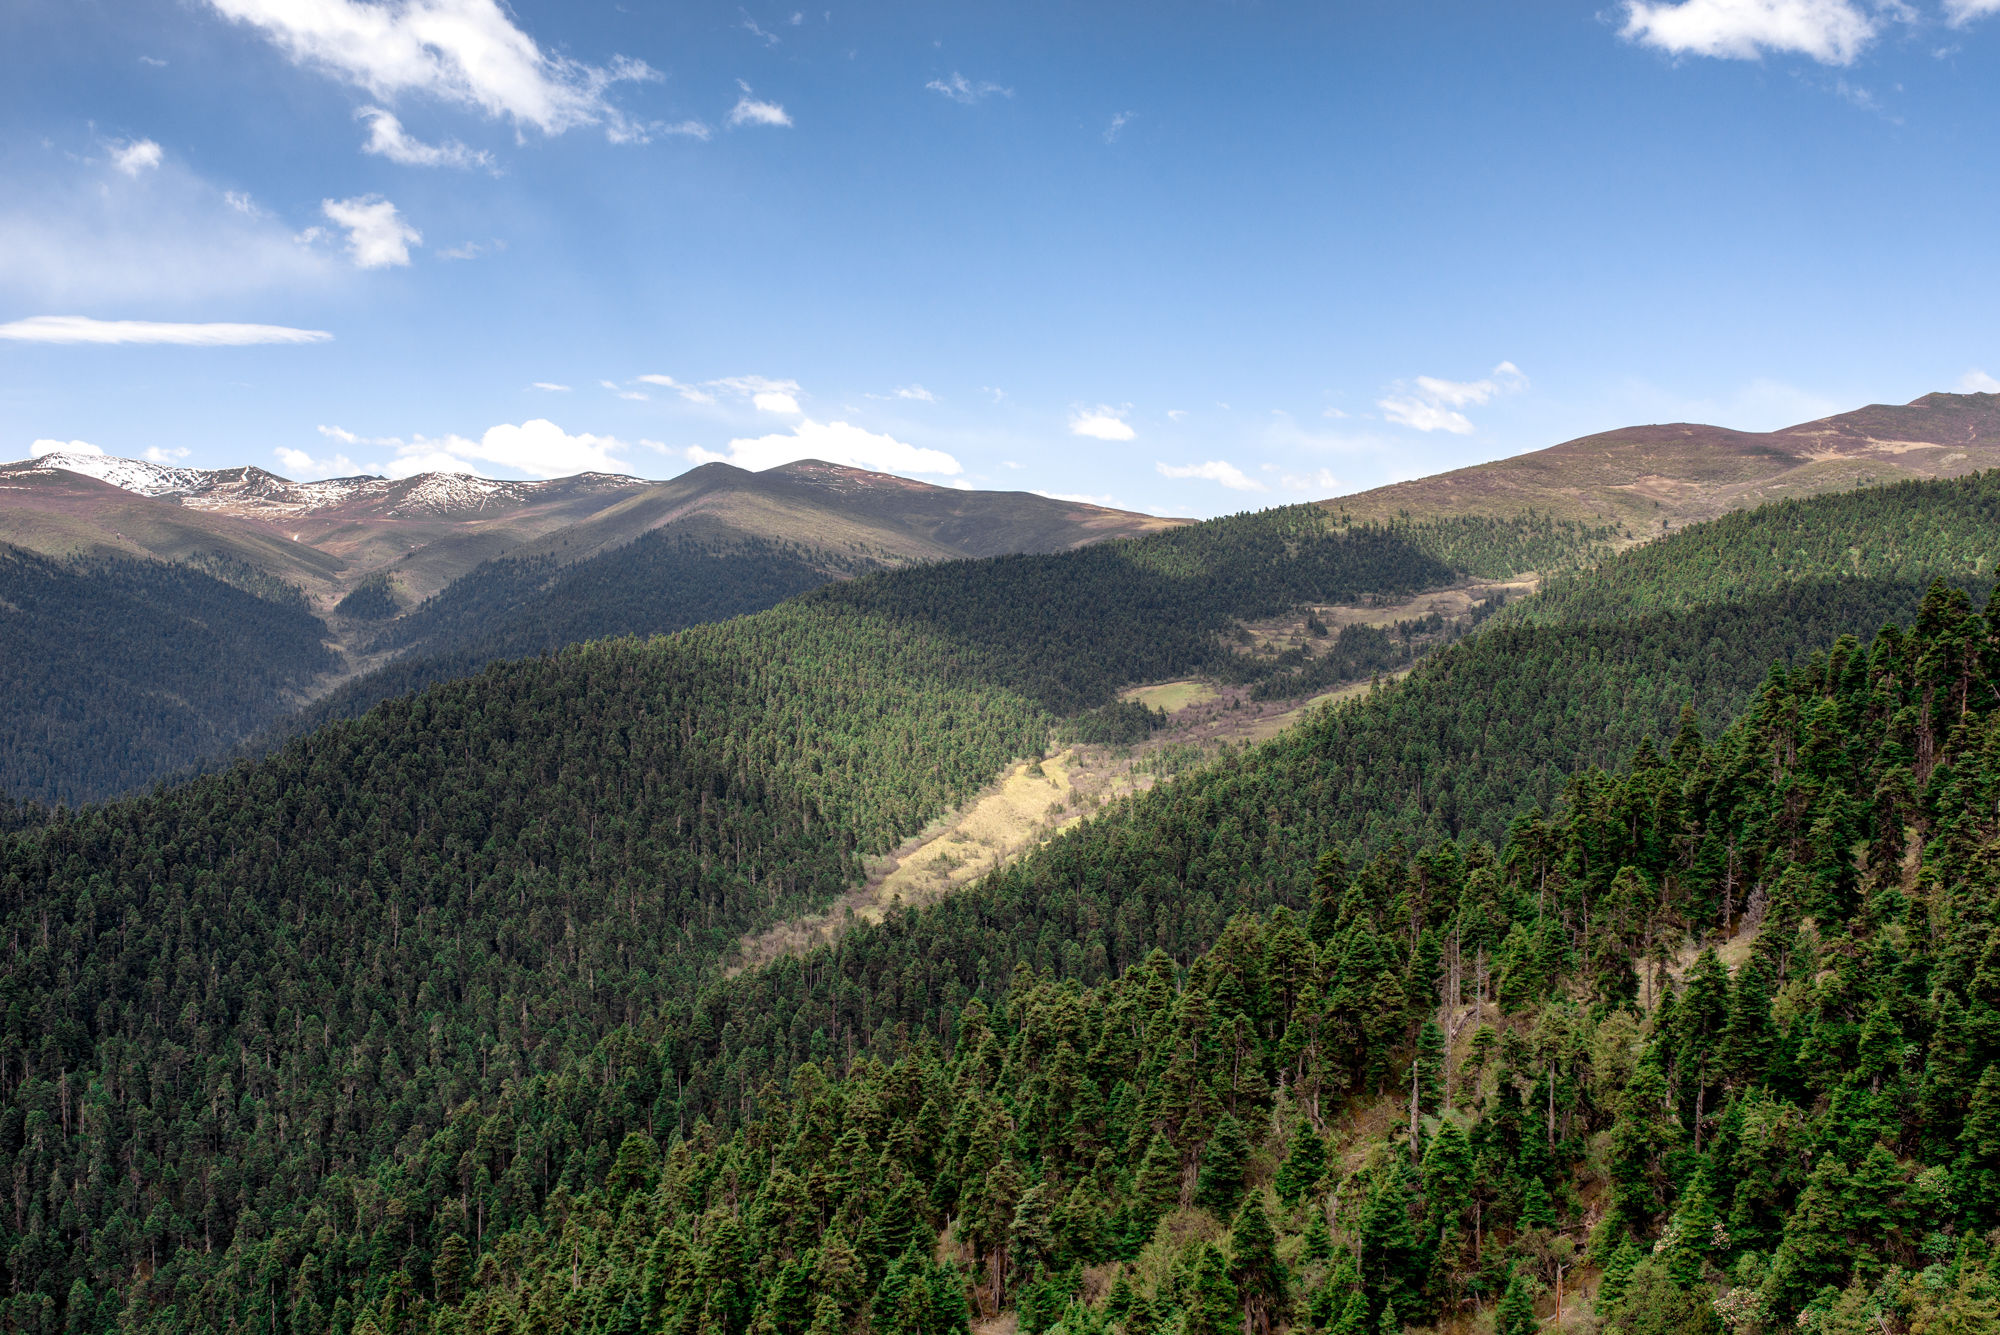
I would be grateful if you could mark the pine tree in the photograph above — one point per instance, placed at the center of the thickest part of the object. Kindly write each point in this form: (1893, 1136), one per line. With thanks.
(1211, 1305)
(1222, 1160)
(1617, 1268)
(1537, 1210)
(1430, 1066)
(1318, 1240)
(1515, 1313)
(1254, 1267)
(1303, 1167)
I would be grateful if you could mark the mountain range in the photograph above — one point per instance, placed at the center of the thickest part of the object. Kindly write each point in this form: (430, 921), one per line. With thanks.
(1614, 944)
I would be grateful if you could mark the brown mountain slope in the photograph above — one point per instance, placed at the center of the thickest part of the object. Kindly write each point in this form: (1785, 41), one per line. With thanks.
(1647, 477)
(427, 531)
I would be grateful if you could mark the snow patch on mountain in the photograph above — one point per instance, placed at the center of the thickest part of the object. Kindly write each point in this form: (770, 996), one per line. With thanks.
(148, 479)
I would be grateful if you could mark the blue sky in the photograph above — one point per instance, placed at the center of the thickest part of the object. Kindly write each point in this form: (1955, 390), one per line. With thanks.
(1189, 257)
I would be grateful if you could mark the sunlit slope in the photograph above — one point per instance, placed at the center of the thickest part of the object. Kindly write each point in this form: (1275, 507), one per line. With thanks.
(1645, 479)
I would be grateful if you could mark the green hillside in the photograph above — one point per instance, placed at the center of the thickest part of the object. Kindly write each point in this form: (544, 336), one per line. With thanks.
(1807, 1140)
(114, 672)
(257, 1018)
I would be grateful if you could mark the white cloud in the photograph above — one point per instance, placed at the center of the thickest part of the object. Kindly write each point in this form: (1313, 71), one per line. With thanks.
(1978, 382)
(1215, 470)
(157, 455)
(153, 61)
(302, 467)
(916, 392)
(388, 139)
(1431, 404)
(1177, 414)
(136, 156)
(750, 111)
(82, 329)
(242, 203)
(752, 27)
(1833, 32)
(550, 386)
(1320, 481)
(765, 395)
(471, 250)
(376, 236)
(1961, 12)
(463, 51)
(538, 448)
(42, 447)
(688, 392)
(1118, 123)
(1079, 498)
(834, 442)
(962, 90)
(1100, 423)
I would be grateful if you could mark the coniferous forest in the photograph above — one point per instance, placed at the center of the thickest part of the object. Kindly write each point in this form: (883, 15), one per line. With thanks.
(1630, 954)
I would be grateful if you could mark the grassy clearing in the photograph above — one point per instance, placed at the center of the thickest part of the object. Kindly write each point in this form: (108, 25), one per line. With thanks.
(1172, 696)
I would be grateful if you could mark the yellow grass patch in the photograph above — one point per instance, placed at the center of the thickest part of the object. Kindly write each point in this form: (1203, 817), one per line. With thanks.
(1172, 696)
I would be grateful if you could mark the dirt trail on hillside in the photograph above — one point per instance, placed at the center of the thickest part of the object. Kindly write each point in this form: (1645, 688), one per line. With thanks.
(1032, 801)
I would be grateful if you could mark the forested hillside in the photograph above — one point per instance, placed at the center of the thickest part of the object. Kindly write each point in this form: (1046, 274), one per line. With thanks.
(518, 607)
(262, 1020)
(114, 672)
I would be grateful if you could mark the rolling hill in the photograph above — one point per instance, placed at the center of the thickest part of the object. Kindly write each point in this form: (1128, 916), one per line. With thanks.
(392, 1011)
(418, 580)
(1646, 478)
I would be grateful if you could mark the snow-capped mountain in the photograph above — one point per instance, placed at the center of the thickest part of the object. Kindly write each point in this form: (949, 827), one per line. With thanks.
(257, 493)
(148, 479)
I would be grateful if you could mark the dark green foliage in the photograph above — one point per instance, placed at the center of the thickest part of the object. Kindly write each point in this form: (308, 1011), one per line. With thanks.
(422, 977)
(516, 607)
(371, 600)
(1303, 1167)
(115, 673)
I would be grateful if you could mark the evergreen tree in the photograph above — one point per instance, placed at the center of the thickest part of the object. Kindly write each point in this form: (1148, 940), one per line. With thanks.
(1254, 1268)
(1222, 1159)
(1515, 1313)
(1303, 1167)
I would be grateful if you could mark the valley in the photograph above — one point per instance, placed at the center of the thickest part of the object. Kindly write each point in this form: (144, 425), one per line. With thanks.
(1419, 923)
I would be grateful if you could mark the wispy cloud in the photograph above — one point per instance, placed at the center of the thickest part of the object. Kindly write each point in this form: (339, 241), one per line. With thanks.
(1958, 13)
(1978, 382)
(1320, 482)
(1832, 32)
(549, 386)
(691, 393)
(83, 329)
(749, 111)
(1431, 404)
(756, 30)
(964, 91)
(765, 394)
(1118, 124)
(1214, 470)
(135, 156)
(377, 237)
(1101, 423)
(465, 51)
(388, 139)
